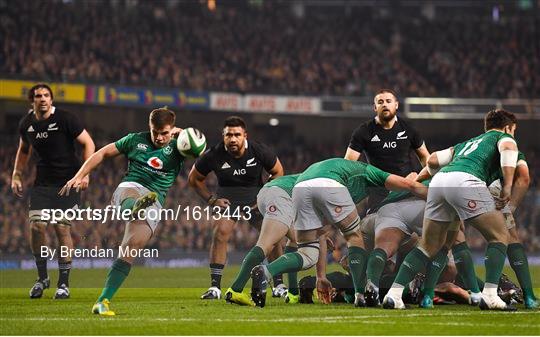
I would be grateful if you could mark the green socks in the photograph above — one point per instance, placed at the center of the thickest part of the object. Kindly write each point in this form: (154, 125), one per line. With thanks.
(118, 273)
(520, 265)
(286, 263)
(375, 265)
(254, 257)
(434, 270)
(495, 257)
(465, 266)
(414, 263)
(357, 265)
(292, 276)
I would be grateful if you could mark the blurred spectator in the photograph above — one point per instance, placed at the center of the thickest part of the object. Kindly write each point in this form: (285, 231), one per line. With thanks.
(268, 49)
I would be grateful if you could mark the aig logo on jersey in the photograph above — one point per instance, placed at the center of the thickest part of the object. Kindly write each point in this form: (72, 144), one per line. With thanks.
(389, 145)
(155, 162)
(239, 172)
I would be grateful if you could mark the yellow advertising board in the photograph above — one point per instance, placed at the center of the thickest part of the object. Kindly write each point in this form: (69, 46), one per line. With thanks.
(63, 92)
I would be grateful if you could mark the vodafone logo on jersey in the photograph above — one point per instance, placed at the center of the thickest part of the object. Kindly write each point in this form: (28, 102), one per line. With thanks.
(155, 162)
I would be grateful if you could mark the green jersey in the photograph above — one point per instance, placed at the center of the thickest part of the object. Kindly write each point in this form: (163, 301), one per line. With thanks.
(152, 167)
(478, 156)
(286, 183)
(499, 175)
(356, 176)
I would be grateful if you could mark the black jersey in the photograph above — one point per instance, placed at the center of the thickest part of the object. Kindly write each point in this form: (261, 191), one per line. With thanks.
(387, 149)
(239, 179)
(53, 145)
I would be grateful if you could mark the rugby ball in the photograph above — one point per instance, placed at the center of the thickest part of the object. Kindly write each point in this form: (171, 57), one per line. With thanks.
(191, 143)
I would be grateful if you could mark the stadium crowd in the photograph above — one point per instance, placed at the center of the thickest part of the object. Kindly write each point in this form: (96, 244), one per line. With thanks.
(185, 234)
(319, 52)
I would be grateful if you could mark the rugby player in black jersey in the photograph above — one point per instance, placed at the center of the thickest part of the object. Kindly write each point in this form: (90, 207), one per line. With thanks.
(238, 165)
(50, 134)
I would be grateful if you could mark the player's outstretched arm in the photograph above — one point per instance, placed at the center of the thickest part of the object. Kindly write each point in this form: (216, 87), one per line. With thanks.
(323, 285)
(91, 163)
(397, 183)
(21, 159)
(439, 159)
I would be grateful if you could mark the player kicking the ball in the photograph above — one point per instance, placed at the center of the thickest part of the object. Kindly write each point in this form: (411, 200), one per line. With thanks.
(330, 190)
(459, 189)
(154, 163)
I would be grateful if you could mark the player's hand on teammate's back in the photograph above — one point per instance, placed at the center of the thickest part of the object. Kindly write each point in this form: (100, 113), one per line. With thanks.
(16, 186)
(325, 291)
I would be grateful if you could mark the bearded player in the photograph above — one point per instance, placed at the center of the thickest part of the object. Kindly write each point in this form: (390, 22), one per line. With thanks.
(154, 163)
(50, 134)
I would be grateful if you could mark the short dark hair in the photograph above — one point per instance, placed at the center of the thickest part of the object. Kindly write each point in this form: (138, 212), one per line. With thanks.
(384, 90)
(161, 117)
(498, 119)
(32, 91)
(233, 121)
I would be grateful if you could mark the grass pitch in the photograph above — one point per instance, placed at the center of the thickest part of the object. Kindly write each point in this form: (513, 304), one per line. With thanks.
(166, 302)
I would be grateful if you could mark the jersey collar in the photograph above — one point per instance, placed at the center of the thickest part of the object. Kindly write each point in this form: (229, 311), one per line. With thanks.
(378, 122)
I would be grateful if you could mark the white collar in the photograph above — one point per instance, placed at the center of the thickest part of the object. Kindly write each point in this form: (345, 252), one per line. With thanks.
(53, 108)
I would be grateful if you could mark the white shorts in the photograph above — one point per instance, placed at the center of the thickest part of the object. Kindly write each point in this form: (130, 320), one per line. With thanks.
(454, 195)
(406, 215)
(274, 203)
(320, 198)
(151, 220)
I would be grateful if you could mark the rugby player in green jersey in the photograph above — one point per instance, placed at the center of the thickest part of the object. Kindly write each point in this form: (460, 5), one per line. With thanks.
(275, 204)
(154, 163)
(459, 190)
(330, 190)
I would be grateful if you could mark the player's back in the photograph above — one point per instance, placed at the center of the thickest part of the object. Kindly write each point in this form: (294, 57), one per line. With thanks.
(479, 156)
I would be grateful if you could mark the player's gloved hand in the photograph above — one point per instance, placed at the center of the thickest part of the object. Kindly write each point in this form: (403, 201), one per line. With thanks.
(325, 291)
(16, 185)
(74, 182)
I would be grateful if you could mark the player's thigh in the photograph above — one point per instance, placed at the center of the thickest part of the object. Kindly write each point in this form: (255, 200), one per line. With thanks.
(433, 236)
(136, 234)
(272, 232)
(60, 208)
(469, 196)
(491, 225)
(513, 236)
(223, 227)
(307, 217)
(389, 239)
(309, 235)
(126, 190)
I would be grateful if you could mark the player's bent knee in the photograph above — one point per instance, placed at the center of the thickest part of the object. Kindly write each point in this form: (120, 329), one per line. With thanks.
(37, 225)
(348, 230)
(309, 251)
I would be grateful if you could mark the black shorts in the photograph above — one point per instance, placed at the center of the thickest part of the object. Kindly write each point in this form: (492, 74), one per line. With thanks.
(46, 197)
